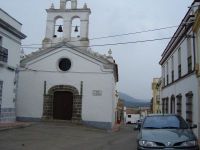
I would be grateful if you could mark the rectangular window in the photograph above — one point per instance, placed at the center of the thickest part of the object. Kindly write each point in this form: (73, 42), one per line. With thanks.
(172, 75)
(163, 82)
(167, 73)
(173, 105)
(172, 66)
(167, 79)
(179, 71)
(129, 116)
(179, 56)
(3, 54)
(163, 75)
(1, 91)
(0, 41)
(189, 46)
(179, 62)
(179, 105)
(189, 64)
(165, 105)
(189, 108)
(167, 101)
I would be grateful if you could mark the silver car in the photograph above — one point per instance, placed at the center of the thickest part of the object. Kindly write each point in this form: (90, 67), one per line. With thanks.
(166, 132)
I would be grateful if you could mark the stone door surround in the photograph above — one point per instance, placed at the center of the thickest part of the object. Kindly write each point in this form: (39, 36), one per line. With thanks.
(48, 102)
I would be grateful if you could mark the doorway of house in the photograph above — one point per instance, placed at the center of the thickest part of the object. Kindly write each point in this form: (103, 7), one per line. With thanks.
(63, 105)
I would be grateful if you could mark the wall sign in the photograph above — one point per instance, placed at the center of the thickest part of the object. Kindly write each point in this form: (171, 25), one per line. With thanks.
(97, 92)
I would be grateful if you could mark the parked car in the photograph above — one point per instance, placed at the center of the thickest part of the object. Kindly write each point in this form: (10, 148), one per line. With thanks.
(166, 132)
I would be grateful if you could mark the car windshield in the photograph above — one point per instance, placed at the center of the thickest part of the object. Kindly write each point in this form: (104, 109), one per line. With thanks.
(164, 122)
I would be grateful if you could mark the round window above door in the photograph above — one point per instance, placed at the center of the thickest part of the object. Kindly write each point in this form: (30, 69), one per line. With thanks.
(64, 64)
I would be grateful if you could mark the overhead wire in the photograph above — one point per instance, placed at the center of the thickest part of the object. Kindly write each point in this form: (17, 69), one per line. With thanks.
(31, 46)
(116, 35)
(113, 44)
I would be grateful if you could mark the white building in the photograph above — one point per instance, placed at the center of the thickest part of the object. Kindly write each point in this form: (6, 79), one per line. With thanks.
(65, 79)
(179, 93)
(10, 46)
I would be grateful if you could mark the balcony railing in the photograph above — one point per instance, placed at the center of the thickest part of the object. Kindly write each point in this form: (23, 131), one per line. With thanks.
(3, 54)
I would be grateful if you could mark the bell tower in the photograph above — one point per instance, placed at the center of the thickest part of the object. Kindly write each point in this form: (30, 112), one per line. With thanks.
(67, 24)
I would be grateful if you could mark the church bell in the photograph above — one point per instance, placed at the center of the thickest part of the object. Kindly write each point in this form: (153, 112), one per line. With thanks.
(60, 29)
(76, 29)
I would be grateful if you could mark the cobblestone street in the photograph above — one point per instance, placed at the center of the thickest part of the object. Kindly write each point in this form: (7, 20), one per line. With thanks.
(65, 136)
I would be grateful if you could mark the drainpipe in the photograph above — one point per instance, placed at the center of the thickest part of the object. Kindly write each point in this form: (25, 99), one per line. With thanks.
(194, 49)
(45, 87)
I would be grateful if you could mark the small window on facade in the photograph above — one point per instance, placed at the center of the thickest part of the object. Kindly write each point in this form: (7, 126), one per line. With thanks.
(1, 90)
(167, 73)
(163, 75)
(172, 105)
(3, 54)
(167, 79)
(129, 116)
(172, 73)
(189, 108)
(189, 64)
(179, 62)
(179, 71)
(165, 105)
(0, 41)
(166, 108)
(179, 105)
(64, 64)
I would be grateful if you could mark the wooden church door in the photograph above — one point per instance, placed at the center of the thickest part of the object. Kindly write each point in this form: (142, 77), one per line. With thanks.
(63, 105)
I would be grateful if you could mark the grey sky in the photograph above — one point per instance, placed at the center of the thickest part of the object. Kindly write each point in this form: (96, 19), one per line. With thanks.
(138, 63)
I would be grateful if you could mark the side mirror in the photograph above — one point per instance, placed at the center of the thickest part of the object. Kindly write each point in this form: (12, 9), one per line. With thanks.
(194, 126)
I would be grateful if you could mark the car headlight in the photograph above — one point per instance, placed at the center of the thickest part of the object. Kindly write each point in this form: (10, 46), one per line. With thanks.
(147, 144)
(189, 143)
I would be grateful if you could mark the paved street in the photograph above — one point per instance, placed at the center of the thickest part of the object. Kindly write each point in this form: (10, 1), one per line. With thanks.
(65, 136)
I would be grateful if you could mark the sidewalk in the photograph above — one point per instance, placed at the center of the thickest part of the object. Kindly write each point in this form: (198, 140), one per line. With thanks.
(116, 127)
(13, 125)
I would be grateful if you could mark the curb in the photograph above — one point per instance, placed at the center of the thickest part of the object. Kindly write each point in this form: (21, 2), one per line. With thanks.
(8, 126)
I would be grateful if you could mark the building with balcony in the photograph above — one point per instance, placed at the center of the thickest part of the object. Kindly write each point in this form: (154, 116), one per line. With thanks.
(180, 92)
(10, 46)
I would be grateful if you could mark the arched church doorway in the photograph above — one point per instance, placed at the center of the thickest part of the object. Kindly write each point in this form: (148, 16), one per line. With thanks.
(63, 105)
(62, 102)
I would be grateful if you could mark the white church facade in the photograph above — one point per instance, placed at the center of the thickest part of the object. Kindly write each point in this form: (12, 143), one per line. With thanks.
(65, 79)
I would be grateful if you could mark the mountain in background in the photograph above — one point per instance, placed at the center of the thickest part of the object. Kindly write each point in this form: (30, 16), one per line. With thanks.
(130, 101)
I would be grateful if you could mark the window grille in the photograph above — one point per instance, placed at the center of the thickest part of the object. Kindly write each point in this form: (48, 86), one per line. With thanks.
(179, 105)
(189, 108)
(3, 54)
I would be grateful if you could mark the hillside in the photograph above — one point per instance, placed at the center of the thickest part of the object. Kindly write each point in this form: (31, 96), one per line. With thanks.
(130, 101)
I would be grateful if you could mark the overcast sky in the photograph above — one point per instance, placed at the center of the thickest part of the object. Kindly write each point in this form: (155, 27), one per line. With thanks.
(139, 62)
